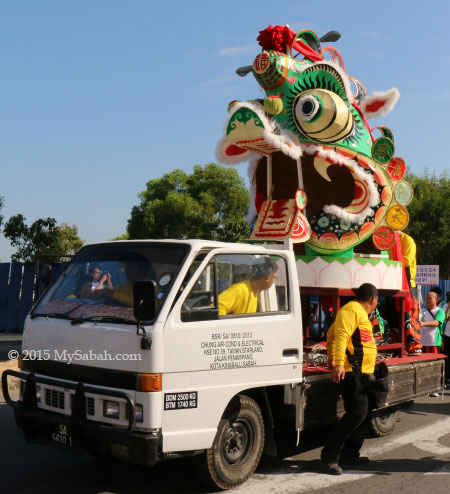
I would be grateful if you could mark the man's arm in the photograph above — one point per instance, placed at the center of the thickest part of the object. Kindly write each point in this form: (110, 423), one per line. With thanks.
(338, 373)
(345, 325)
(439, 318)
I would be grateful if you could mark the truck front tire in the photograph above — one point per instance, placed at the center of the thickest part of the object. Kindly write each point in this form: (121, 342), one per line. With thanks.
(237, 447)
(383, 421)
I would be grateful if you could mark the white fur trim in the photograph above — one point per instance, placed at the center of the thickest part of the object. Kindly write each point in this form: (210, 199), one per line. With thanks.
(286, 142)
(390, 99)
(230, 160)
(359, 218)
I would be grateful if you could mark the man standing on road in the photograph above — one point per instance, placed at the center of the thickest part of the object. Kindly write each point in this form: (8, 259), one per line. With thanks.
(351, 337)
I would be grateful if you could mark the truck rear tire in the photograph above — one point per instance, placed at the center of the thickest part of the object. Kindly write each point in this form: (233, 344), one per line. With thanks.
(383, 421)
(237, 447)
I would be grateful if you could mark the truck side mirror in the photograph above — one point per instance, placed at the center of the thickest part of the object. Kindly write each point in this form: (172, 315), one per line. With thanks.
(144, 297)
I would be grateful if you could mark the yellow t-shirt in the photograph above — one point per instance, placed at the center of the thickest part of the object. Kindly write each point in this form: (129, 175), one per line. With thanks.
(352, 330)
(409, 255)
(238, 299)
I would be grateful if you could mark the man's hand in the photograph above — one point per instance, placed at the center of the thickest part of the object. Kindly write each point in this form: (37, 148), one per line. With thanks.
(338, 373)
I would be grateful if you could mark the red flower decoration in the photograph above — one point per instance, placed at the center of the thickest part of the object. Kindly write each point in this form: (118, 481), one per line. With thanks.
(276, 38)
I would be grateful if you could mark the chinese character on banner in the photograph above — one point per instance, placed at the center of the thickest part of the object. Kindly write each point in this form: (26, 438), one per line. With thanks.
(427, 274)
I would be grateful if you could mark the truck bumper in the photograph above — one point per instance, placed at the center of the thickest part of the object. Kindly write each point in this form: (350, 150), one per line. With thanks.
(75, 433)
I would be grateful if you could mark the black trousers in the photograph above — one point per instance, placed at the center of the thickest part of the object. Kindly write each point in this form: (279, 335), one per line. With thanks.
(350, 432)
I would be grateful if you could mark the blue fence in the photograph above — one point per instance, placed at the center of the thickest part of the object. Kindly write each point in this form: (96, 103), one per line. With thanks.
(20, 287)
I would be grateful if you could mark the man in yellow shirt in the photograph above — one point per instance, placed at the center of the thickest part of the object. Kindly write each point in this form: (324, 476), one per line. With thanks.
(404, 250)
(242, 298)
(350, 343)
(409, 257)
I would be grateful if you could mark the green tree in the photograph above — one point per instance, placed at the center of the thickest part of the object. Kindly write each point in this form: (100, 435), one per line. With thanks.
(124, 236)
(43, 238)
(429, 222)
(211, 203)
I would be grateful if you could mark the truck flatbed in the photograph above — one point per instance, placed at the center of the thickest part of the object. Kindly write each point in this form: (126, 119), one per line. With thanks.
(311, 369)
(409, 378)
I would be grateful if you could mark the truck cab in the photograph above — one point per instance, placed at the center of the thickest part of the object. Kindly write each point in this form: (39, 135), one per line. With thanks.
(96, 378)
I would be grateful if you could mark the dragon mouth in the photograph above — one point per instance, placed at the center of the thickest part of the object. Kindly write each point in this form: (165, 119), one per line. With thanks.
(343, 191)
(335, 181)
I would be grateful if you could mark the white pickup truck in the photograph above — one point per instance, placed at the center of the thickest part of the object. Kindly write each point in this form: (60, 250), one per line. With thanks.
(147, 370)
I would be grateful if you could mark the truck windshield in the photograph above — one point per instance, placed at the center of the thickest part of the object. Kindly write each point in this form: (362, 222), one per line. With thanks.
(98, 283)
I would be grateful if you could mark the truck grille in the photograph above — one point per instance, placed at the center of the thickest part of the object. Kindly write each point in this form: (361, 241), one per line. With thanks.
(54, 398)
(90, 404)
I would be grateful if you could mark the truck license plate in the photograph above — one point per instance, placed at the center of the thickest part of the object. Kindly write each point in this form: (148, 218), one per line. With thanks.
(60, 436)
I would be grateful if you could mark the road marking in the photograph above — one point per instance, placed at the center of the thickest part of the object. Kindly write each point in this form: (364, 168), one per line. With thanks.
(425, 438)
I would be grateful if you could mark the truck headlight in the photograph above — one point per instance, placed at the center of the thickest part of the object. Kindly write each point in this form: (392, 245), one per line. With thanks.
(38, 394)
(111, 409)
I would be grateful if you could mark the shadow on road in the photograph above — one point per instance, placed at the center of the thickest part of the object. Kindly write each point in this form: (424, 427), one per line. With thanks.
(95, 476)
(437, 406)
(375, 467)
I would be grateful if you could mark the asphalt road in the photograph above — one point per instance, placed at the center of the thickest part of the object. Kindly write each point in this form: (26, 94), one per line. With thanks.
(414, 459)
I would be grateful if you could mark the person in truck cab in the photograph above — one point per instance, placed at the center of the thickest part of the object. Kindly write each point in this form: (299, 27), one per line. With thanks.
(123, 293)
(351, 352)
(96, 282)
(134, 271)
(242, 298)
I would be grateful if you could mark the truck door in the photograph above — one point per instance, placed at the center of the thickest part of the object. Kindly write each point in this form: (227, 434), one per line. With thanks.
(235, 327)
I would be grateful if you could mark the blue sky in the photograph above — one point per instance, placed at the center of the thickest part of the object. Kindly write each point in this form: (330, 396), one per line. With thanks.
(99, 96)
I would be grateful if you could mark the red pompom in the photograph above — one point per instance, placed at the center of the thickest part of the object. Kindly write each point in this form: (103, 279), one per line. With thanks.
(276, 38)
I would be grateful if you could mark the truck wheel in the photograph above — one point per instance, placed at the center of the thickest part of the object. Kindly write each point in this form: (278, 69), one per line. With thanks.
(237, 447)
(383, 421)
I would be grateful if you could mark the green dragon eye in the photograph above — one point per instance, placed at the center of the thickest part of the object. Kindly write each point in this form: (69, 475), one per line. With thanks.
(322, 116)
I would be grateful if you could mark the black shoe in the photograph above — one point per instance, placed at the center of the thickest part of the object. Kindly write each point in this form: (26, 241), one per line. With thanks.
(331, 468)
(355, 460)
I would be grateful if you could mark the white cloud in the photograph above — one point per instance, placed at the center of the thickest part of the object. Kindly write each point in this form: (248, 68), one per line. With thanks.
(236, 50)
